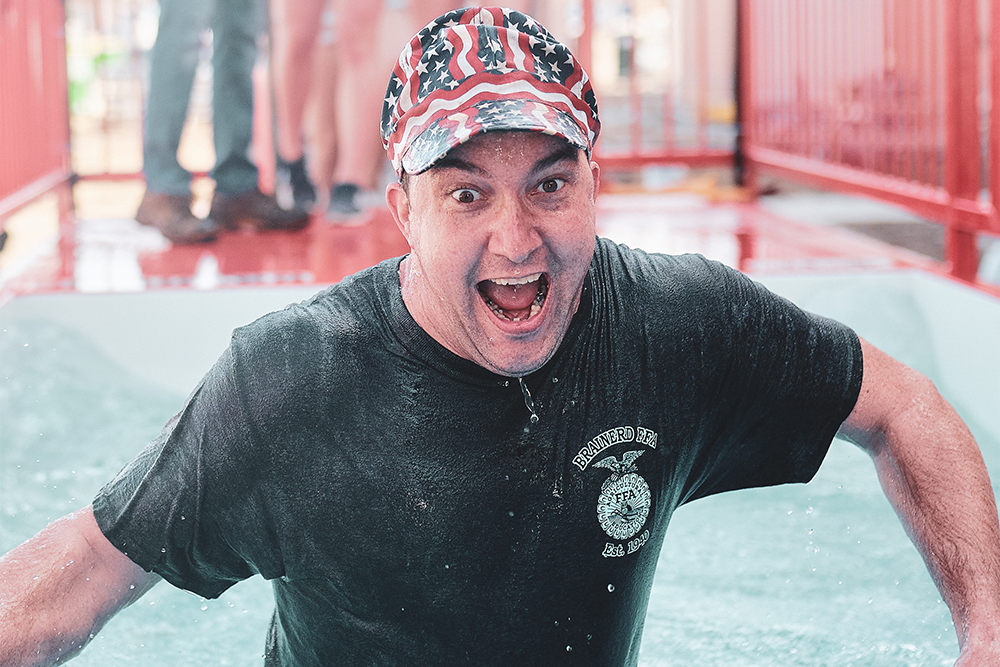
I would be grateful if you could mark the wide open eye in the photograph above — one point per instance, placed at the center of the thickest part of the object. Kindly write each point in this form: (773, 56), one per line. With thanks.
(550, 185)
(465, 195)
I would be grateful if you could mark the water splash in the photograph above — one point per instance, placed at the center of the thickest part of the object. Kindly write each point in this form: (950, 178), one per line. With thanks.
(528, 401)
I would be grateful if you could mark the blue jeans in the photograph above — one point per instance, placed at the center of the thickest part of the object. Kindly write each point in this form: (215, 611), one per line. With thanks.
(174, 60)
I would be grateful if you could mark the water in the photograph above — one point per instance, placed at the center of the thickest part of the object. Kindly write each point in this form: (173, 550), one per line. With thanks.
(820, 574)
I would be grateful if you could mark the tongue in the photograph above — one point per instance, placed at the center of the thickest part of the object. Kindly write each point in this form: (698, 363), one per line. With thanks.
(511, 298)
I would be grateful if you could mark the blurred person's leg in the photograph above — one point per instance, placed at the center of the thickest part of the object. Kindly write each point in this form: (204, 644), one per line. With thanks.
(174, 60)
(363, 71)
(321, 131)
(295, 29)
(234, 53)
(238, 200)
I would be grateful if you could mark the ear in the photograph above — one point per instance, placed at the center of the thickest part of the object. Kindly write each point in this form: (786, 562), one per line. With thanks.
(399, 207)
(595, 170)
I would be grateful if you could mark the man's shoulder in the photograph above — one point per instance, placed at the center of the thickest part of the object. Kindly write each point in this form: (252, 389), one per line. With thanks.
(354, 297)
(658, 271)
(351, 309)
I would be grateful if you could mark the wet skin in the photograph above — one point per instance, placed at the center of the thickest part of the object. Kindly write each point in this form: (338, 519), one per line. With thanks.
(501, 234)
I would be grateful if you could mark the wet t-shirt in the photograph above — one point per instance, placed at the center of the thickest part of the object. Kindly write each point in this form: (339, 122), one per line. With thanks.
(413, 508)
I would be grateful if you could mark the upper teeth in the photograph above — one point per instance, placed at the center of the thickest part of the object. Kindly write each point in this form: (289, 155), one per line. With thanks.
(518, 281)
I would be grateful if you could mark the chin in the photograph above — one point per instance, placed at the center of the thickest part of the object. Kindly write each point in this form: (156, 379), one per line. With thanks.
(516, 358)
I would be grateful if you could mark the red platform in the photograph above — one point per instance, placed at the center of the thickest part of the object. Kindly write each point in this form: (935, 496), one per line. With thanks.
(123, 256)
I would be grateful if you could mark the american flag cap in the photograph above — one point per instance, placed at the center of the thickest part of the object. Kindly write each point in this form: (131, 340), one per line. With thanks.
(483, 69)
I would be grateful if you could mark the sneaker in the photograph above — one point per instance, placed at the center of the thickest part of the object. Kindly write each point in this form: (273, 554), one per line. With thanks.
(292, 187)
(255, 210)
(344, 200)
(171, 215)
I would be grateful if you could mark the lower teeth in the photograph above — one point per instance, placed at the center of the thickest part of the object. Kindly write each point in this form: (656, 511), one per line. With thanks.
(534, 310)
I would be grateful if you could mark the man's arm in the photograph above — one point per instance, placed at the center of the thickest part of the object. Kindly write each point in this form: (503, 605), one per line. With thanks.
(58, 589)
(933, 474)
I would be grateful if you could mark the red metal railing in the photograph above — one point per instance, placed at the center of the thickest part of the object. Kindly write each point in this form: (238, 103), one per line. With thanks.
(881, 98)
(34, 116)
(886, 98)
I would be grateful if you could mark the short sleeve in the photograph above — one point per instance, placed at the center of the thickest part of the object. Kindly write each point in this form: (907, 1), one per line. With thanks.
(779, 384)
(166, 509)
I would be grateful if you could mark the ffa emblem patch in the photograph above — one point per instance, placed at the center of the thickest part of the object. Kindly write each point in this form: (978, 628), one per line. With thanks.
(624, 502)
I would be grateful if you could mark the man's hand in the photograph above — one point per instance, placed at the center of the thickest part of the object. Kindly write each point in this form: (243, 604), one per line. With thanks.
(933, 474)
(58, 589)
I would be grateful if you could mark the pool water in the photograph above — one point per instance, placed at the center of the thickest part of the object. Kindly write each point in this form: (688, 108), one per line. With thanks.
(817, 574)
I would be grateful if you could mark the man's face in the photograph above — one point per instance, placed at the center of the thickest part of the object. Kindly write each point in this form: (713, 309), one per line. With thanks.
(501, 233)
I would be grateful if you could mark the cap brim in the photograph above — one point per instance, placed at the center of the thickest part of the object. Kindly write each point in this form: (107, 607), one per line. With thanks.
(445, 133)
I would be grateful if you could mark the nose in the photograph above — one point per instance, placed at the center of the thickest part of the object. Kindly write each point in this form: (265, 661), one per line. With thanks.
(514, 235)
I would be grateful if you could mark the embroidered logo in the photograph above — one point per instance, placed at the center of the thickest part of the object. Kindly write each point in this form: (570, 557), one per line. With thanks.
(625, 499)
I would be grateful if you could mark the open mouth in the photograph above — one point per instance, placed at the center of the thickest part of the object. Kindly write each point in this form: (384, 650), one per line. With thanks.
(515, 299)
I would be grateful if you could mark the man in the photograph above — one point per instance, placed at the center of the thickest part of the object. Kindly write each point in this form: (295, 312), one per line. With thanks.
(470, 455)
(237, 201)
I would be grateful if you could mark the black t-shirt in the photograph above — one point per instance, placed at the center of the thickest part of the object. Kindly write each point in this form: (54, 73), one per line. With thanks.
(409, 508)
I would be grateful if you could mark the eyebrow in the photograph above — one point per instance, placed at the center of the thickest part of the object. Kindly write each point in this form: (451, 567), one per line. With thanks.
(565, 152)
(451, 162)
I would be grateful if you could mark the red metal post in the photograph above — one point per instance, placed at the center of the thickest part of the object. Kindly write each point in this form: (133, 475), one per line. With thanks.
(962, 170)
(701, 69)
(746, 117)
(34, 114)
(585, 44)
(993, 155)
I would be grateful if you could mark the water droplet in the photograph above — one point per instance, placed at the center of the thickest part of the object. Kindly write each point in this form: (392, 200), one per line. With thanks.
(510, 513)
(557, 622)
(131, 587)
(204, 606)
(163, 550)
(611, 588)
(534, 419)
(554, 380)
(589, 637)
(569, 648)
(446, 566)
